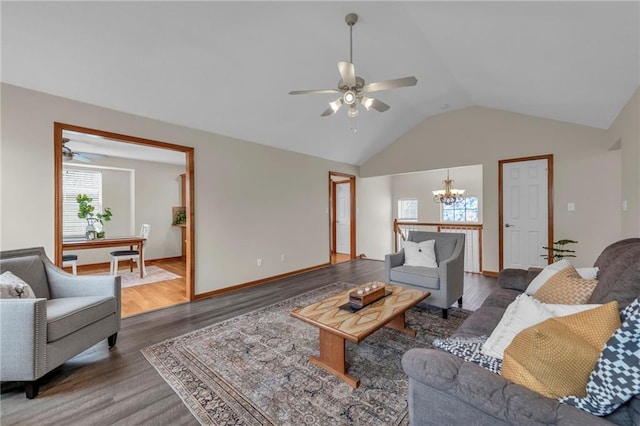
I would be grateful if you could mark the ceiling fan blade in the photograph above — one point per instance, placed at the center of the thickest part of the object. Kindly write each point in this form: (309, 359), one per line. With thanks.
(91, 155)
(81, 158)
(390, 84)
(327, 112)
(376, 104)
(347, 73)
(313, 92)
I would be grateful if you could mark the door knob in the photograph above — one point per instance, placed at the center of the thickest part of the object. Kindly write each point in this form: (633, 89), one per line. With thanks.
(508, 225)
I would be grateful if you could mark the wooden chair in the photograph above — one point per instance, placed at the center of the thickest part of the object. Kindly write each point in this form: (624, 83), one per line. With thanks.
(131, 255)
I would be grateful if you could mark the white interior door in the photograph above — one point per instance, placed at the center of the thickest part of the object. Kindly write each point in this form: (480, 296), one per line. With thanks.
(343, 218)
(525, 213)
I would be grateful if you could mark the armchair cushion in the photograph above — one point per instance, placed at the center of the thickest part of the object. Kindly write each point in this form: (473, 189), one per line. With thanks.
(417, 275)
(70, 314)
(12, 287)
(420, 254)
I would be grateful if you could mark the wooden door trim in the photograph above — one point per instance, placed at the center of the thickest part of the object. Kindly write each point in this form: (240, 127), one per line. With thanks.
(190, 173)
(501, 163)
(351, 179)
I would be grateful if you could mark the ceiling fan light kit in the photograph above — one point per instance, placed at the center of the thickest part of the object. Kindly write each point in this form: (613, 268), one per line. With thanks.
(353, 89)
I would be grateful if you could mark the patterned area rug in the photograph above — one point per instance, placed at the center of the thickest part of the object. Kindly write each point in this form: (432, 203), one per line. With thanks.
(154, 274)
(254, 370)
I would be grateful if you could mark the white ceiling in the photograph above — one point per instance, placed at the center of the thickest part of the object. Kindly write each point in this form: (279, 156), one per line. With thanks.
(227, 67)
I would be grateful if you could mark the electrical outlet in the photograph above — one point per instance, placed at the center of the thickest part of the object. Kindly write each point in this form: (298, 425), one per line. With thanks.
(259, 262)
(283, 257)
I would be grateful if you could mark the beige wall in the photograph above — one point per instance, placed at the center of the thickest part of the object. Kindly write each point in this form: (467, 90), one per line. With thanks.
(626, 128)
(250, 200)
(585, 171)
(374, 217)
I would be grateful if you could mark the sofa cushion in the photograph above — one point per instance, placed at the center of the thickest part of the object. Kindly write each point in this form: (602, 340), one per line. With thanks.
(31, 270)
(416, 275)
(620, 279)
(566, 287)
(501, 298)
(556, 356)
(616, 378)
(481, 323)
(69, 314)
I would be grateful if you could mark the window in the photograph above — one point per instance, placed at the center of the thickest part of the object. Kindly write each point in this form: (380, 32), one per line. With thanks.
(408, 210)
(74, 182)
(462, 211)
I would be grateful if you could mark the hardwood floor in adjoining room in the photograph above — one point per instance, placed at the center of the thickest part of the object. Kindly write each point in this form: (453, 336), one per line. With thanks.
(148, 297)
(118, 386)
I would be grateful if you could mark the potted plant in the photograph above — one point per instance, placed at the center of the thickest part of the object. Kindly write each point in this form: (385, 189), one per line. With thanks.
(86, 211)
(181, 218)
(558, 252)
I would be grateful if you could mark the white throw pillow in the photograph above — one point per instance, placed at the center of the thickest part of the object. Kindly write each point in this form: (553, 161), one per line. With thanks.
(588, 273)
(545, 274)
(12, 287)
(524, 312)
(420, 254)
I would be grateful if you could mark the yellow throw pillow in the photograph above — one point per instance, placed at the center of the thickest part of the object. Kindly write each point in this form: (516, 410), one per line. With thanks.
(556, 357)
(566, 287)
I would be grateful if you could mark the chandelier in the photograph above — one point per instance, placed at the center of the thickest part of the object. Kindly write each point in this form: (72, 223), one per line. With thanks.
(448, 195)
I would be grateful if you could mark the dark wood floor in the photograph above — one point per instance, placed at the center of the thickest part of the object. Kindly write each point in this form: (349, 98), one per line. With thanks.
(118, 386)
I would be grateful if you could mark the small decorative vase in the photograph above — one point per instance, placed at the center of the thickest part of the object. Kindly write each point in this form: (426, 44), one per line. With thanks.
(90, 232)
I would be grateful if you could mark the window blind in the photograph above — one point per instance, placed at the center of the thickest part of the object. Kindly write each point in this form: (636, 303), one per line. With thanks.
(74, 182)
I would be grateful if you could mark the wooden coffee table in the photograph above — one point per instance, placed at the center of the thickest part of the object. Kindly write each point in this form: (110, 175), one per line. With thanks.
(337, 325)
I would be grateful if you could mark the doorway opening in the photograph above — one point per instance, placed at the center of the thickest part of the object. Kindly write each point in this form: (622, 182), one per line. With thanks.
(525, 214)
(342, 224)
(105, 150)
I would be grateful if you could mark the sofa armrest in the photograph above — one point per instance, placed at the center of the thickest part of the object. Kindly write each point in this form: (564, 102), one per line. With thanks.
(517, 279)
(461, 382)
(23, 333)
(392, 261)
(63, 284)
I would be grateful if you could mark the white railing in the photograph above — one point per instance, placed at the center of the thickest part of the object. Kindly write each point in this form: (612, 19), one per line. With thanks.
(473, 239)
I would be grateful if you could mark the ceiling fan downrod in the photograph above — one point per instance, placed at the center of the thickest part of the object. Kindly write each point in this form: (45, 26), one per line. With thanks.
(351, 20)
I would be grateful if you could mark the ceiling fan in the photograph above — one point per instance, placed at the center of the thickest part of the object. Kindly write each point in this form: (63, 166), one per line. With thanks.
(353, 89)
(85, 157)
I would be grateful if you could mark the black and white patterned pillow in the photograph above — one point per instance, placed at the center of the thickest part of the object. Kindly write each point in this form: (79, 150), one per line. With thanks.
(12, 287)
(616, 378)
(469, 350)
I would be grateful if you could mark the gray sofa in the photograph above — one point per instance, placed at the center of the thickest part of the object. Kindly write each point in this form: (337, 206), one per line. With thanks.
(445, 283)
(444, 389)
(69, 314)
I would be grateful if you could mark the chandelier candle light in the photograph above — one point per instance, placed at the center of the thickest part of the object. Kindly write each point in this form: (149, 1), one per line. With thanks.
(448, 195)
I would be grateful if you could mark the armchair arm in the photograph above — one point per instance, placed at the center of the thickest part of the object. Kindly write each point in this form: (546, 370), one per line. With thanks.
(63, 284)
(23, 333)
(459, 386)
(391, 261)
(451, 271)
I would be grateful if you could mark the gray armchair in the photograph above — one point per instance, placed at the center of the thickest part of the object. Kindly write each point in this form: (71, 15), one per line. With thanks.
(446, 282)
(69, 314)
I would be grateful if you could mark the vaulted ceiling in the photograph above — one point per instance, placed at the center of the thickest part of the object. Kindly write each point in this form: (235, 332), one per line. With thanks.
(227, 67)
